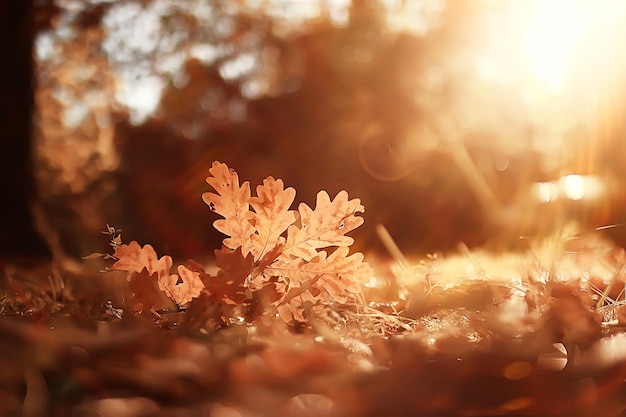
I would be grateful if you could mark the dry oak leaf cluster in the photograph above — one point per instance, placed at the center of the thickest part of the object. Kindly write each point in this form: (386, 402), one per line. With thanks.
(304, 253)
(292, 262)
(150, 281)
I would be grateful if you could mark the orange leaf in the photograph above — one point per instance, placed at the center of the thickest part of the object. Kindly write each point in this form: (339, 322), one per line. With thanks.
(271, 216)
(268, 246)
(325, 226)
(185, 286)
(150, 277)
(324, 279)
(134, 258)
(230, 202)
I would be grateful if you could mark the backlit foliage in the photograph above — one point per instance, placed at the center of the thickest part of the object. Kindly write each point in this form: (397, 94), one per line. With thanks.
(274, 261)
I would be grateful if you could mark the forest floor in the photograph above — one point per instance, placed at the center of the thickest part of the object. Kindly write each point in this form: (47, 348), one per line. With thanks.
(478, 334)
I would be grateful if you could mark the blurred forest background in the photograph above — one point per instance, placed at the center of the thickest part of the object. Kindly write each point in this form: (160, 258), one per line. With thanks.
(453, 121)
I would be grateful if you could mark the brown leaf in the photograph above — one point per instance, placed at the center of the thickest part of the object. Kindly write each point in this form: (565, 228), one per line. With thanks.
(95, 255)
(230, 283)
(147, 294)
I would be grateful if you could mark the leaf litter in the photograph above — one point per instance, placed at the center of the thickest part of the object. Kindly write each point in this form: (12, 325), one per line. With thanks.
(282, 325)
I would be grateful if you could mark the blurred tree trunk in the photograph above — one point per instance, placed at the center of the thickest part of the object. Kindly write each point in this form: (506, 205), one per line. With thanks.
(17, 233)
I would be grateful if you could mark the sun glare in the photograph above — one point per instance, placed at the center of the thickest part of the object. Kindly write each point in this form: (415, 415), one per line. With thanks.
(559, 33)
(552, 35)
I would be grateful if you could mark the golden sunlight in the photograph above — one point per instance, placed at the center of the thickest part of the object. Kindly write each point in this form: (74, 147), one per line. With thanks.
(559, 63)
(563, 34)
(552, 34)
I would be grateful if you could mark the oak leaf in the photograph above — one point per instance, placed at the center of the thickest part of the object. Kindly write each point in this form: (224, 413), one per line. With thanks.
(185, 286)
(146, 292)
(271, 216)
(234, 269)
(324, 280)
(230, 201)
(150, 278)
(324, 226)
(268, 244)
